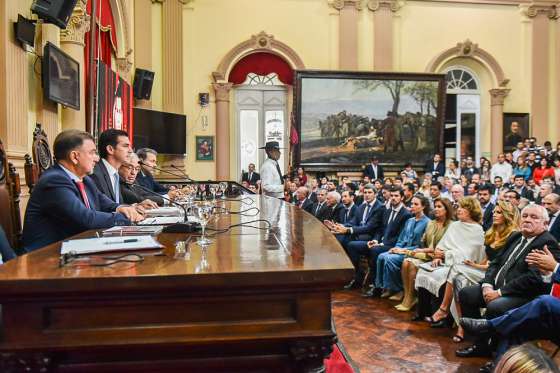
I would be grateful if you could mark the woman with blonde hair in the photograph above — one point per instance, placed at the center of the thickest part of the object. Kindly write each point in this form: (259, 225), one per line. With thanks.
(526, 358)
(464, 240)
(443, 216)
(505, 221)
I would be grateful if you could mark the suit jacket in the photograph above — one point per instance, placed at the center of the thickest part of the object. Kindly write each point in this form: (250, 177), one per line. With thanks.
(102, 180)
(307, 205)
(342, 216)
(56, 211)
(392, 231)
(555, 228)
(440, 169)
(370, 172)
(526, 193)
(131, 195)
(488, 217)
(521, 280)
(372, 224)
(320, 213)
(147, 181)
(5, 248)
(255, 176)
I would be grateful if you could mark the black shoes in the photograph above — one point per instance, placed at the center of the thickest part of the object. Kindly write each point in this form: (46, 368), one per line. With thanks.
(475, 326)
(372, 293)
(475, 350)
(352, 285)
(487, 368)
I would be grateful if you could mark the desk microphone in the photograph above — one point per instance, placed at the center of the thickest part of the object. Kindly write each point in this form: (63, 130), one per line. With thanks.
(185, 227)
(185, 176)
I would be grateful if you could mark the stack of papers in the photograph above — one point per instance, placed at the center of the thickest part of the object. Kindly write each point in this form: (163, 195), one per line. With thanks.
(133, 230)
(165, 211)
(162, 220)
(107, 244)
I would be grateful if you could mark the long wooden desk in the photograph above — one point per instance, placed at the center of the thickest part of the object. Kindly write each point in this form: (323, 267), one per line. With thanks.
(261, 301)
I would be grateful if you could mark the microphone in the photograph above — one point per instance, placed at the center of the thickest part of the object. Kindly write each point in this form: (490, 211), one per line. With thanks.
(185, 227)
(185, 175)
(166, 171)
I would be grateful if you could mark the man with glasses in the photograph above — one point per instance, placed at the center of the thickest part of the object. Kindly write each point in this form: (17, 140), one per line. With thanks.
(130, 191)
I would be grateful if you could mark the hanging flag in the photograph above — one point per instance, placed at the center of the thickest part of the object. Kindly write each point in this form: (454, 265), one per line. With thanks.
(294, 137)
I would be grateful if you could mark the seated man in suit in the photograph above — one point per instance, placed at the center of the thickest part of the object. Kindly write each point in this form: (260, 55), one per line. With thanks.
(538, 319)
(303, 201)
(251, 176)
(130, 192)
(114, 148)
(333, 205)
(319, 208)
(6, 252)
(148, 162)
(393, 221)
(509, 281)
(374, 170)
(484, 197)
(348, 210)
(65, 202)
(552, 204)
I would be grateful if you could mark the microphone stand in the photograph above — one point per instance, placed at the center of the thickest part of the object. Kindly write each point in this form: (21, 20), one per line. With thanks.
(185, 227)
(166, 171)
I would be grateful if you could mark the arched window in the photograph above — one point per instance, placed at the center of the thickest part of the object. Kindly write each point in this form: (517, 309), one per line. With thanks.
(461, 79)
(255, 80)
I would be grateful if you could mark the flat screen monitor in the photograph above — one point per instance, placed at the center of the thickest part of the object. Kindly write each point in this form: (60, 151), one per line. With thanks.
(164, 132)
(61, 77)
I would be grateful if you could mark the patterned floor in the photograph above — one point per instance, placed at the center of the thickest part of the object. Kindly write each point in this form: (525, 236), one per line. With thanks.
(378, 338)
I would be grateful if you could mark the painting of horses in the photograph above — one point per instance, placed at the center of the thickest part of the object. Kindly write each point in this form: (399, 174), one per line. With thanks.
(344, 118)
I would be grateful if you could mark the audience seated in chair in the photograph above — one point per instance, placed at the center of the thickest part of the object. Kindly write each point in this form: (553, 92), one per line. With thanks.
(65, 202)
(389, 263)
(348, 208)
(443, 216)
(510, 281)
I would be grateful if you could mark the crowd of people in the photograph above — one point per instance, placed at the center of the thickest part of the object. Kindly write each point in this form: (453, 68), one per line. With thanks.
(458, 240)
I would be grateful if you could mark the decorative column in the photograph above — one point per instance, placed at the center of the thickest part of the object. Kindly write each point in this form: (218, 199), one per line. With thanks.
(348, 33)
(541, 14)
(383, 32)
(172, 55)
(72, 42)
(222, 129)
(496, 120)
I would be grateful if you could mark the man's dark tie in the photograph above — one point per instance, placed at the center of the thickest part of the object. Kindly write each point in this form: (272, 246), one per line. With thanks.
(366, 212)
(501, 277)
(318, 208)
(82, 189)
(279, 171)
(346, 214)
(391, 217)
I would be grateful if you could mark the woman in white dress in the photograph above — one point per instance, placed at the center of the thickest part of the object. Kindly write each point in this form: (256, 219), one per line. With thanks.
(505, 222)
(463, 240)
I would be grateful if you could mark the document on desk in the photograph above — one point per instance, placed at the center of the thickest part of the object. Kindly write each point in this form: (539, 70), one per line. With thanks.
(162, 220)
(165, 211)
(106, 244)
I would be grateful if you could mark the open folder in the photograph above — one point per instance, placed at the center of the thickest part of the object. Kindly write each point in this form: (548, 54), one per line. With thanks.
(107, 244)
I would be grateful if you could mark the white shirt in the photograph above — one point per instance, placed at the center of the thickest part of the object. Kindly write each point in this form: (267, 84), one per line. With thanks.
(271, 183)
(501, 169)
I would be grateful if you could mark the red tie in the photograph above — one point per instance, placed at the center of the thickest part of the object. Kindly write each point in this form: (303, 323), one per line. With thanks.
(555, 290)
(82, 189)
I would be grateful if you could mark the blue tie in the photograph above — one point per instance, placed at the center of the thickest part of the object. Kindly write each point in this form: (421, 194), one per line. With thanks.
(117, 189)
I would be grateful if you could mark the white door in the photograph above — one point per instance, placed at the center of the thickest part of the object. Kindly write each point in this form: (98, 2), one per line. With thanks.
(468, 127)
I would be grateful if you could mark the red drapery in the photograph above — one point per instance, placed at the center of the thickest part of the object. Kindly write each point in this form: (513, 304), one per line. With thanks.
(261, 63)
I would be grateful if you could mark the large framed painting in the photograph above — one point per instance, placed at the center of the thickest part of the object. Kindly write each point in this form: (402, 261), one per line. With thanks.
(516, 128)
(344, 118)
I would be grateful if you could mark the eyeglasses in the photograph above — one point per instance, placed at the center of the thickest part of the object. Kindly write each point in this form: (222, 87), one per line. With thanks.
(131, 167)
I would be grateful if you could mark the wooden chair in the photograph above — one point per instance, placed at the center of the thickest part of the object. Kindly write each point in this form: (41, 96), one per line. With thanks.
(10, 190)
(42, 157)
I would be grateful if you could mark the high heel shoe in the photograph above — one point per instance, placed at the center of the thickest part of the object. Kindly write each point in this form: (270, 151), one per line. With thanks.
(405, 308)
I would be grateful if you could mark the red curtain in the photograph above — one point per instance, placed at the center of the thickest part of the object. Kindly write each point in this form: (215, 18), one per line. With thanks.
(262, 63)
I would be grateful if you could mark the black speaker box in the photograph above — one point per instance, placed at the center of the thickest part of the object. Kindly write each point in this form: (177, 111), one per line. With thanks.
(142, 86)
(57, 12)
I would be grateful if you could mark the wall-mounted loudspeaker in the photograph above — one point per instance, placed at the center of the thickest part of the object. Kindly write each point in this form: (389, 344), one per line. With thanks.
(142, 86)
(54, 11)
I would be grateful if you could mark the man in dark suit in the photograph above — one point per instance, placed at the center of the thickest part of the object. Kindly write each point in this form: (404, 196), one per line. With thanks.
(65, 202)
(319, 207)
(538, 319)
(303, 200)
(251, 176)
(6, 252)
(552, 204)
(394, 219)
(131, 193)
(520, 187)
(374, 170)
(148, 162)
(484, 196)
(333, 206)
(348, 208)
(114, 149)
(435, 167)
(509, 281)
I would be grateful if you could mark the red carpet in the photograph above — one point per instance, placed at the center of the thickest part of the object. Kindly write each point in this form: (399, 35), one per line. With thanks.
(336, 363)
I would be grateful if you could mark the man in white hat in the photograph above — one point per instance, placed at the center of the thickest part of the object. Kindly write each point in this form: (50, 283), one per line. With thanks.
(272, 180)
